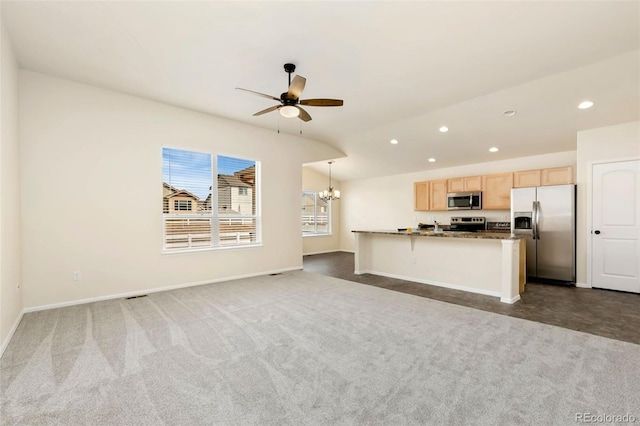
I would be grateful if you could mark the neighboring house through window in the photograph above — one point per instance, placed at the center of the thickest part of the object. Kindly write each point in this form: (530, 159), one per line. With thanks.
(316, 214)
(198, 214)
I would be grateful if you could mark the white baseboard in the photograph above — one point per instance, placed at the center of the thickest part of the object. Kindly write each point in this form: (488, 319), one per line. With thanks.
(583, 285)
(436, 283)
(7, 339)
(320, 252)
(510, 301)
(328, 251)
(153, 290)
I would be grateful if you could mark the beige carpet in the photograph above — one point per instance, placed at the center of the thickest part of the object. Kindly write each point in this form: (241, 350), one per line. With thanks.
(301, 348)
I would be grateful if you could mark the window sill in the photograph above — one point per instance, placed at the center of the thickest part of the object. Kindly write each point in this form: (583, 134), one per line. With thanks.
(316, 235)
(209, 249)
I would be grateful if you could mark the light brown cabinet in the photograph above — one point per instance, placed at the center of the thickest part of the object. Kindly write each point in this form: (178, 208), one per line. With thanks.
(438, 194)
(543, 177)
(496, 191)
(421, 196)
(526, 178)
(557, 176)
(471, 183)
(496, 188)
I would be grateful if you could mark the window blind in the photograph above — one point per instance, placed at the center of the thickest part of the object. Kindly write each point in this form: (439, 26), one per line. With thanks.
(209, 201)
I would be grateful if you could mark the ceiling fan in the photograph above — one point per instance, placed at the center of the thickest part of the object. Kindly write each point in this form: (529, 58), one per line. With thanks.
(290, 100)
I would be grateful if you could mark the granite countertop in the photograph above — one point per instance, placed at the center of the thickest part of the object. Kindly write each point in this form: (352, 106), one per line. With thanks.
(484, 235)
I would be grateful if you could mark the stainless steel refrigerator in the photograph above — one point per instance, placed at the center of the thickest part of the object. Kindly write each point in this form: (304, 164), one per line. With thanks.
(547, 215)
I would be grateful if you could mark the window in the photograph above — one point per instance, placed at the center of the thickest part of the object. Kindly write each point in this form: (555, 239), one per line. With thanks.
(316, 214)
(198, 214)
(182, 204)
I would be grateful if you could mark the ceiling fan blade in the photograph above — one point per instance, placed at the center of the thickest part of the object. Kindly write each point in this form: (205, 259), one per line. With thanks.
(304, 115)
(322, 102)
(259, 94)
(264, 111)
(296, 87)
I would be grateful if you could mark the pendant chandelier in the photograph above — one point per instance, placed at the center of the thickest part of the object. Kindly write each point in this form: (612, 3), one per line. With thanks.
(329, 194)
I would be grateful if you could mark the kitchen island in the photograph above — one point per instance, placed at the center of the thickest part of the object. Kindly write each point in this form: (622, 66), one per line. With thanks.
(491, 263)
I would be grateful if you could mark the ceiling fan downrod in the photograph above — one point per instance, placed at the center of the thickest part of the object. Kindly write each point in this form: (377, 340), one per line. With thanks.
(289, 69)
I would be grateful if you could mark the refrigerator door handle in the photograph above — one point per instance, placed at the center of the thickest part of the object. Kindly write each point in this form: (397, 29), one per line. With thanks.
(533, 221)
(536, 223)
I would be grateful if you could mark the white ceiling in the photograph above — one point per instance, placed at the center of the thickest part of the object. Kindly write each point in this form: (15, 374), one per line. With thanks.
(403, 68)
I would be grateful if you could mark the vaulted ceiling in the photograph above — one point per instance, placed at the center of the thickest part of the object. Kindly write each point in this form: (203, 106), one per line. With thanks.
(404, 69)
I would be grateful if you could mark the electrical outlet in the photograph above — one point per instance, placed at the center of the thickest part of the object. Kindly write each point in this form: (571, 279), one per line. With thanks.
(77, 275)
(413, 260)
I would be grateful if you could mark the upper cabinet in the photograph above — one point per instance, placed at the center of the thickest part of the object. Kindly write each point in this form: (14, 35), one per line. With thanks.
(496, 188)
(557, 176)
(526, 178)
(463, 184)
(543, 177)
(496, 193)
(438, 194)
(421, 196)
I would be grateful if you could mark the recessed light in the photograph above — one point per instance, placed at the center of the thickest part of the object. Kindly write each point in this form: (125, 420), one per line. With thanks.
(585, 105)
(394, 141)
(431, 160)
(444, 129)
(493, 149)
(509, 113)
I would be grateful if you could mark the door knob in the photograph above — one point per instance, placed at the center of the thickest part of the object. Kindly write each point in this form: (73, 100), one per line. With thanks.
(597, 232)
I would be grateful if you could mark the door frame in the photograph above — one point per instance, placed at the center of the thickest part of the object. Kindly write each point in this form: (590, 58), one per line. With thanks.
(589, 212)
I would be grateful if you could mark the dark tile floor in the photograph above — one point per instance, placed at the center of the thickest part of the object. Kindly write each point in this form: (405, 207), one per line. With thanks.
(611, 314)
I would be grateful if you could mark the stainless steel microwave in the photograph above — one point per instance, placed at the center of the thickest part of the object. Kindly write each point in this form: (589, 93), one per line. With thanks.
(464, 200)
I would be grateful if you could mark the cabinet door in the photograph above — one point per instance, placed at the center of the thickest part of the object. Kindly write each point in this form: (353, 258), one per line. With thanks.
(473, 183)
(421, 195)
(496, 193)
(557, 176)
(526, 179)
(438, 194)
(455, 185)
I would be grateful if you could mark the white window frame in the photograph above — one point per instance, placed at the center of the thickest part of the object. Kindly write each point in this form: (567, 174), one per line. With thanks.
(316, 209)
(178, 204)
(214, 215)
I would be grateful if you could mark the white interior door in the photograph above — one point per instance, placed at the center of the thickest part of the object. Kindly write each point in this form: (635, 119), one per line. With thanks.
(615, 232)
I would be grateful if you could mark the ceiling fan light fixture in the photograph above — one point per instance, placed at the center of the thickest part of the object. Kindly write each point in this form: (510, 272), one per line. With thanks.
(585, 105)
(289, 111)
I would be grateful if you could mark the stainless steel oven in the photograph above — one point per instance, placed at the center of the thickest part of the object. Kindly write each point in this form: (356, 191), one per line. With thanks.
(468, 224)
(464, 200)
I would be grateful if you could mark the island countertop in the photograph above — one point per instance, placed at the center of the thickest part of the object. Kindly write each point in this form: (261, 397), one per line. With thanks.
(485, 235)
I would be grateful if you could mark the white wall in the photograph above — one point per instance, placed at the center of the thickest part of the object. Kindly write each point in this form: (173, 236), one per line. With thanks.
(314, 181)
(10, 259)
(599, 145)
(387, 202)
(92, 172)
